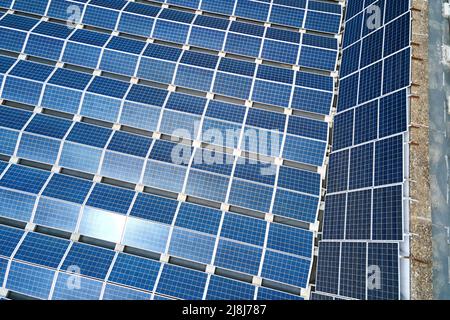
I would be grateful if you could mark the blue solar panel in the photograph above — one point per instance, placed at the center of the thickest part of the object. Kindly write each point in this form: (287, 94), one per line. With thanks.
(9, 240)
(42, 250)
(24, 179)
(226, 289)
(92, 261)
(134, 272)
(181, 283)
(110, 198)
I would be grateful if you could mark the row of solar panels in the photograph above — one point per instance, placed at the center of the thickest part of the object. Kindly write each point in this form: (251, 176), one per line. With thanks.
(139, 17)
(46, 267)
(272, 45)
(247, 245)
(155, 224)
(197, 71)
(365, 186)
(237, 182)
(158, 111)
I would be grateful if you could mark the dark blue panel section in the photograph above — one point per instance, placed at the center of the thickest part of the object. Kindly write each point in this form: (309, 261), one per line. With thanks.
(226, 289)
(299, 180)
(126, 45)
(361, 167)
(370, 83)
(31, 70)
(338, 171)
(49, 126)
(129, 143)
(67, 188)
(237, 67)
(8, 240)
(53, 29)
(353, 270)
(108, 87)
(70, 79)
(348, 90)
(147, 95)
(395, 9)
(89, 37)
(154, 208)
(135, 272)
(18, 22)
(225, 111)
(186, 103)
(162, 52)
(393, 114)
(343, 130)
(387, 213)
(181, 282)
(397, 70)
(366, 122)
(92, 261)
(24, 179)
(244, 229)
(389, 161)
(372, 48)
(334, 217)
(198, 218)
(43, 250)
(13, 118)
(292, 240)
(385, 256)
(328, 267)
(358, 221)
(110, 198)
(397, 35)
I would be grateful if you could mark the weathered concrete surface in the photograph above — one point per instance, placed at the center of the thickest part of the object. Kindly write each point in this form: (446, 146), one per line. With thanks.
(439, 88)
(420, 210)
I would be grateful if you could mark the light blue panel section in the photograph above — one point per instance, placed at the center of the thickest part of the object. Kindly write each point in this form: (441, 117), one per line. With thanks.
(30, 280)
(140, 116)
(57, 214)
(74, 287)
(16, 205)
(23, 91)
(146, 235)
(207, 186)
(39, 149)
(173, 122)
(164, 176)
(156, 70)
(119, 62)
(191, 245)
(61, 99)
(122, 167)
(100, 107)
(79, 157)
(102, 225)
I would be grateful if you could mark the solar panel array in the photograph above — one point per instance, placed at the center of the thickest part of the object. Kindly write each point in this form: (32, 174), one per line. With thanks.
(89, 193)
(365, 204)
